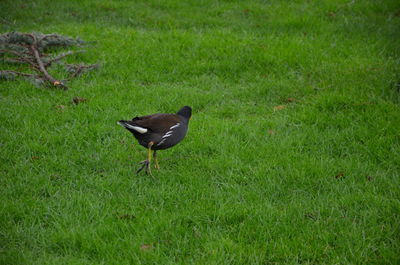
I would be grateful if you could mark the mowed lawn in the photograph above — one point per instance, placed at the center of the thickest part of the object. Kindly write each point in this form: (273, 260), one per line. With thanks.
(293, 151)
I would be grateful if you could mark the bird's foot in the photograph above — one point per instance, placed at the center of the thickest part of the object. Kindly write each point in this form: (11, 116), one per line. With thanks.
(146, 166)
(156, 166)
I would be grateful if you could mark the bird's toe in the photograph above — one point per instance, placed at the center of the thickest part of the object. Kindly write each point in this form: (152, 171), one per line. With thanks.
(144, 165)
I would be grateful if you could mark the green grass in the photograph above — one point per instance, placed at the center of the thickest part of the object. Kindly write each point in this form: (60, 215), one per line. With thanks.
(251, 183)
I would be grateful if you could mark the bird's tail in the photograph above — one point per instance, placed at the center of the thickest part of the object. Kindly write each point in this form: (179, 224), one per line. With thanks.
(122, 123)
(131, 126)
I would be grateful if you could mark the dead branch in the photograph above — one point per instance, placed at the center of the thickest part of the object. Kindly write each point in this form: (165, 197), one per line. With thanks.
(2, 72)
(47, 36)
(58, 58)
(54, 81)
(76, 70)
(21, 58)
(29, 48)
(12, 52)
(49, 78)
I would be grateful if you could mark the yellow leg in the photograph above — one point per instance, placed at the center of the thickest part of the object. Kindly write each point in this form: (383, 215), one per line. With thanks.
(156, 160)
(149, 152)
(148, 169)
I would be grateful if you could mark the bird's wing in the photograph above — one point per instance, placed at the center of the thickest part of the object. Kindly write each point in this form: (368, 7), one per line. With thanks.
(159, 123)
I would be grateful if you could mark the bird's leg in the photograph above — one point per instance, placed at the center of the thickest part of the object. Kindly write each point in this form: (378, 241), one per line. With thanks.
(155, 160)
(146, 163)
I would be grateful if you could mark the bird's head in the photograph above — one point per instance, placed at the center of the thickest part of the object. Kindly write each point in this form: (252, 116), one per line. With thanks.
(186, 112)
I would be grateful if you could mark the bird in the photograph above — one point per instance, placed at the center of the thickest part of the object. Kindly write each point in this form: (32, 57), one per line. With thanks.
(158, 132)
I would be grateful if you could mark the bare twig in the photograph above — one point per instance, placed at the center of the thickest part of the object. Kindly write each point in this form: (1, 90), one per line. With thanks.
(47, 36)
(78, 69)
(17, 73)
(12, 52)
(20, 57)
(84, 67)
(18, 60)
(14, 60)
(61, 56)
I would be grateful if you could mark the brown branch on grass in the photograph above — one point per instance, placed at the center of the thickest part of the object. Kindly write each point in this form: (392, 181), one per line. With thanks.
(49, 78)
(20, 58)
(18, 54)
(29, 48)
(58, 58)
(47, 36)
(14, 60)
(16, 73)
(76, 70)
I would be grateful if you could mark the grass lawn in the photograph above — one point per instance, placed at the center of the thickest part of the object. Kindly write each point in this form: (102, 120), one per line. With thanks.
(292, 156)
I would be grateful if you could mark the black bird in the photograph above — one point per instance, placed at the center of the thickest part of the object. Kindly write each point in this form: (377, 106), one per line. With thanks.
(158, 131)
